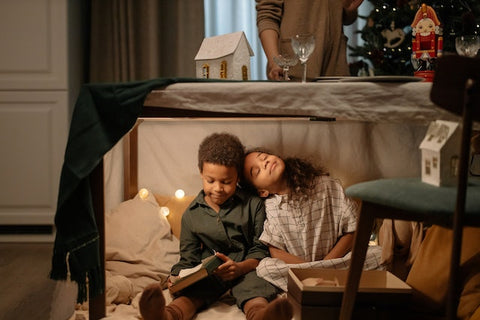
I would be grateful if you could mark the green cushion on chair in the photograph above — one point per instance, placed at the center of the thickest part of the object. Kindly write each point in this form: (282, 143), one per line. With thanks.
(411, 194)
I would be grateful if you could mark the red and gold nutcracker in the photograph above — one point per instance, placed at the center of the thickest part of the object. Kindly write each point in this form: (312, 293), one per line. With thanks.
(427, 41)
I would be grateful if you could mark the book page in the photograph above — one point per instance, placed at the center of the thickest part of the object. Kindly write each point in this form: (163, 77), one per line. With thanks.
(186, 272)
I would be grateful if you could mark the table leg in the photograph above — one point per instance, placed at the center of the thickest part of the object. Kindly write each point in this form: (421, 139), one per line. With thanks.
(96, 305)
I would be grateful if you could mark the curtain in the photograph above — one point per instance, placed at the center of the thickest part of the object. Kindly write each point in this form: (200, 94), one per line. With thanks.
(354, 39)
(134, 40)
(144, 39)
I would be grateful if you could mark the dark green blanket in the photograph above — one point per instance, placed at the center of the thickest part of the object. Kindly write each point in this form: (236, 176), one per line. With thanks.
(103, 114)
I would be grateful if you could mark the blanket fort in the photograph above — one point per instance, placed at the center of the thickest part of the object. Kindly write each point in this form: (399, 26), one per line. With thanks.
(103, 114)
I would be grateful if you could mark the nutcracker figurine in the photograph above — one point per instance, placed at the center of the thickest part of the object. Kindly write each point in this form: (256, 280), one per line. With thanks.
(427, 42)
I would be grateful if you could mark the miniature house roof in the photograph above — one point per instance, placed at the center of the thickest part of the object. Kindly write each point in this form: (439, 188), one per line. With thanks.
(221, 46)
(438, 133)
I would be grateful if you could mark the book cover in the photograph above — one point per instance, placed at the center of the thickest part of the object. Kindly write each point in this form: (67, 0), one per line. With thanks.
(191, 275)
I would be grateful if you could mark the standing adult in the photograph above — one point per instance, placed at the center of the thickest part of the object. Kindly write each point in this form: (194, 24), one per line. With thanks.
(280, 20)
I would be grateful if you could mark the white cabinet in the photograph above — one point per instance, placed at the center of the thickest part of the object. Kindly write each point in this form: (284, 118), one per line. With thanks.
(37, 89)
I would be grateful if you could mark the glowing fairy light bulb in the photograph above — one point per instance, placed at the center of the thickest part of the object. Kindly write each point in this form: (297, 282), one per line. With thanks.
(164, 211)
(143, 193)
(179, 194)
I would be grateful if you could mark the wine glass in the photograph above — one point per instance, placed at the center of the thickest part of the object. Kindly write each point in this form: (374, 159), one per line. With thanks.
(285, 61)
(467, 45)
(287, 58)
(303, 46)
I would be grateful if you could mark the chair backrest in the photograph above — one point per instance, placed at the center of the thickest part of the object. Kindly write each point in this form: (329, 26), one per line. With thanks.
(451, 82)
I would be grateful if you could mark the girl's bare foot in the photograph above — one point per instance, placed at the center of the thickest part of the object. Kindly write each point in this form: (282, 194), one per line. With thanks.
(259, 309)
(278, 309)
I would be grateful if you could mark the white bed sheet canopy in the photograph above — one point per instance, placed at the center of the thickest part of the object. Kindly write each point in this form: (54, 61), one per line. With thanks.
(377, 133)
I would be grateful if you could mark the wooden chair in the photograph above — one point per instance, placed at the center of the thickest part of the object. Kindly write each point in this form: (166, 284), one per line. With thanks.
(456, 88)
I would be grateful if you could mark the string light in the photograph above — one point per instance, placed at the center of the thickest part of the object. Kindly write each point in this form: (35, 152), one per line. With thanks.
(179, 194)
(164, 211)
(143, 193)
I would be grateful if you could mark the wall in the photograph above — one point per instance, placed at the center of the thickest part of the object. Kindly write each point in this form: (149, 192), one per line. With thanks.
(40, 73)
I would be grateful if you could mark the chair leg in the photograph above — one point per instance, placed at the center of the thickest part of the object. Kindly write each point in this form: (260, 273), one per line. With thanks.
(360, 245)
(457, 223)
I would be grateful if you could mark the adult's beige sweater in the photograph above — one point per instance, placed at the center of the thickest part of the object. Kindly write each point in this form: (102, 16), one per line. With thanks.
(323, 18)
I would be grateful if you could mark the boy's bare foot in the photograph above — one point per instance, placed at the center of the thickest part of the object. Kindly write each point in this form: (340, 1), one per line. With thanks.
(152, 303)
(278, 309)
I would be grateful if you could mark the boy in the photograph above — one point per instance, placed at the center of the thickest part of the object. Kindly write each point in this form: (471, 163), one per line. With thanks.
(225, 220)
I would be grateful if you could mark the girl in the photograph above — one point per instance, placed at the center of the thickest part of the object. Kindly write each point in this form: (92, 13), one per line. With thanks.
(309, 218)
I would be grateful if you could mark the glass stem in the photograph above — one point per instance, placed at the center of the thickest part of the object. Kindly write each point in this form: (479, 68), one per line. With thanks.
(304, 77)
(285, 73)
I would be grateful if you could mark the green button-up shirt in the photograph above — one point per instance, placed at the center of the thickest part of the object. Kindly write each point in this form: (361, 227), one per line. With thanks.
(233, 231)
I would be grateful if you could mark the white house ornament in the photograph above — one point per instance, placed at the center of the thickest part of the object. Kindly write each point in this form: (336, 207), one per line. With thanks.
(224, 56)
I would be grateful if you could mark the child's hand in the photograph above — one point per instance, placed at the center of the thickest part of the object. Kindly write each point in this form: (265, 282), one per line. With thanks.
(229, 269)
(171, 280)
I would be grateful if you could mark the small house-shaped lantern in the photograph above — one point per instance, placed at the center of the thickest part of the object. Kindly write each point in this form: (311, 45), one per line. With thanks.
(440, 153)
(224, 57)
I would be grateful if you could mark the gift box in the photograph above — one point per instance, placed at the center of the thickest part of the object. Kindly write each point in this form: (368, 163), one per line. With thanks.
(315, 292)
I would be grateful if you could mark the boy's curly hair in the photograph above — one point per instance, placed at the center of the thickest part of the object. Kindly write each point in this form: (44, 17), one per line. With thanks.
(222, 148)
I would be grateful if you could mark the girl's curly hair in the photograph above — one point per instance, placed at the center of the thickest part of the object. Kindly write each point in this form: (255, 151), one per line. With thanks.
(299, 173)
(222, 148)
(301, 176)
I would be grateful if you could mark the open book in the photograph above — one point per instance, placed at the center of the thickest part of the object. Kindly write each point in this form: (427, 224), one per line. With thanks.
(191, 275)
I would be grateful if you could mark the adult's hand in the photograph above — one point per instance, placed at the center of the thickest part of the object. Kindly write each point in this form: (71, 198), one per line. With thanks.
(351, 5)
(274, 72)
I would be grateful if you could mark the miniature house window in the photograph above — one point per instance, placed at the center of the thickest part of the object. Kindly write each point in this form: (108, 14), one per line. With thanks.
(432, 131)
(454, 166)
(244, 73)
(435, 162)
(206, 71)
(427, 167)
(442, 133)
(223, 70)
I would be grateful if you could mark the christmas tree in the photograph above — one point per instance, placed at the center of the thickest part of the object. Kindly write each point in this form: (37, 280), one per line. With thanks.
(387, 34)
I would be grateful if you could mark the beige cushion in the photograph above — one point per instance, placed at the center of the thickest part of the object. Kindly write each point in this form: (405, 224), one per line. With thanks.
(139, 243)
(429, 273)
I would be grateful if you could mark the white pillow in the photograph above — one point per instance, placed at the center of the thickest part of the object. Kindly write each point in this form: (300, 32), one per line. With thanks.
(139, 243)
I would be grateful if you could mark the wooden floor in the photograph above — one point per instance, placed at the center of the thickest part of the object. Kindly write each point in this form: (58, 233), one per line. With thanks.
(25, 288)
